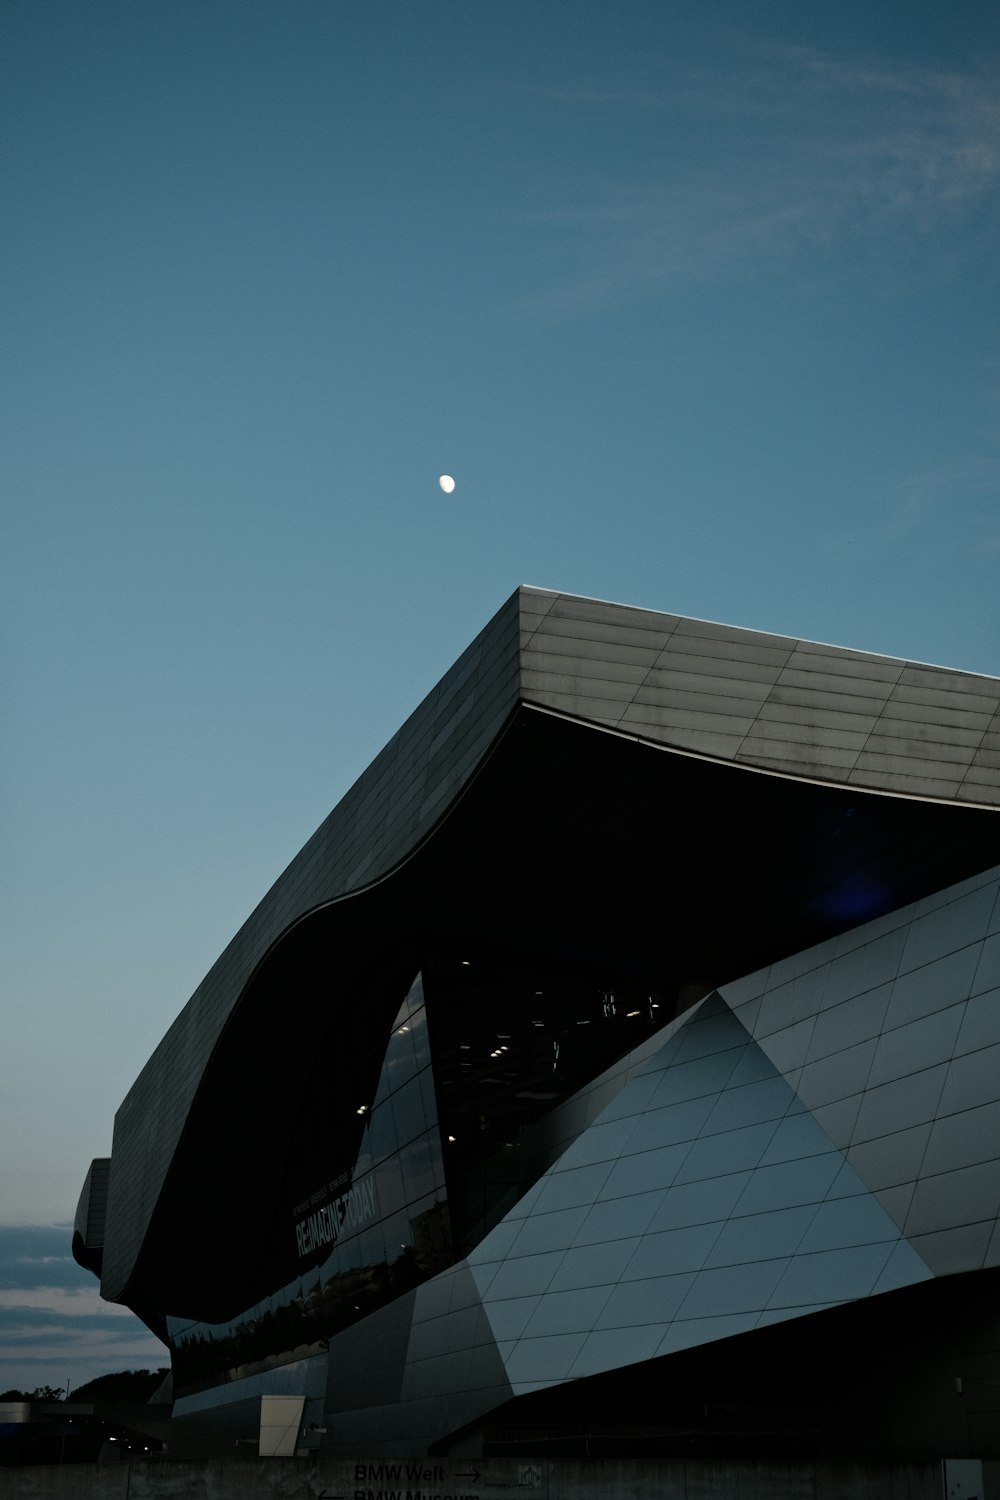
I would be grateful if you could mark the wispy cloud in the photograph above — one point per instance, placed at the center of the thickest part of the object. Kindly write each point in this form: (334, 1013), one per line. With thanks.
(53, 1323)
(39, 1255)
(955, 499)
(779, 156)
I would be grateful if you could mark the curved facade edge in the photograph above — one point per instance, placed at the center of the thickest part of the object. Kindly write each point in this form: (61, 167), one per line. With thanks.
(669, 747)
(773, 703)
(89, 1223)
(386, 814)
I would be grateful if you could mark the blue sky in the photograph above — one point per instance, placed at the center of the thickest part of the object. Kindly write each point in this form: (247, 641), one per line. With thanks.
(697, 302)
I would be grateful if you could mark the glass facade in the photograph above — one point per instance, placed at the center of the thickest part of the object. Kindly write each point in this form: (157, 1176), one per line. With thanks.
(362, 1237)
(443, 1151)
(514, 1037)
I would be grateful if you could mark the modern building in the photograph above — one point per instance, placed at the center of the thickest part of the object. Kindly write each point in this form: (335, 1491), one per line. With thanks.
(616, 1069)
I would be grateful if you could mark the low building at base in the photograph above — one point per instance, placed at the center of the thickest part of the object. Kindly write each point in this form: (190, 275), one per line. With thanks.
(616, 1070)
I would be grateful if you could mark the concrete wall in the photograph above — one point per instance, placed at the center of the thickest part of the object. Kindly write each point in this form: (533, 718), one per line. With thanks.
(498, 1479)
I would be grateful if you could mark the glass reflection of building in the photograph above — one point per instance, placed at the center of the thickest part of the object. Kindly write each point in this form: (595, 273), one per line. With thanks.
(386, 1211)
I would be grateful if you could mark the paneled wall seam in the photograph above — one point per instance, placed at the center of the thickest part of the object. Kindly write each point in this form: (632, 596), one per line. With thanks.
(745, 750)
(944, 1080)
(649, 672)
(975, 758)
(871, 1065)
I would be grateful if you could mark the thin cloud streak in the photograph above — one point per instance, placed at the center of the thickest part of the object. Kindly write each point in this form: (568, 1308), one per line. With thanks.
(830, 152)
(53, 1322)
(33, 1255)
(960, 494)
(22, 1328)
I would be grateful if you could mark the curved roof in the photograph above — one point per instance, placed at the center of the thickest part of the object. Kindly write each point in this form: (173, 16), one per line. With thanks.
(726, 697)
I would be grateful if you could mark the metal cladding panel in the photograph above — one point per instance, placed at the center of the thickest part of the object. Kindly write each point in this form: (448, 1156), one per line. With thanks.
(788, 706)
(91, 1210)
(710, 1196)
(384, 816)
(755, 700)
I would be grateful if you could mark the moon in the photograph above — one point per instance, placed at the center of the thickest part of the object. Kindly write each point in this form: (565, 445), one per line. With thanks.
(447, 483)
